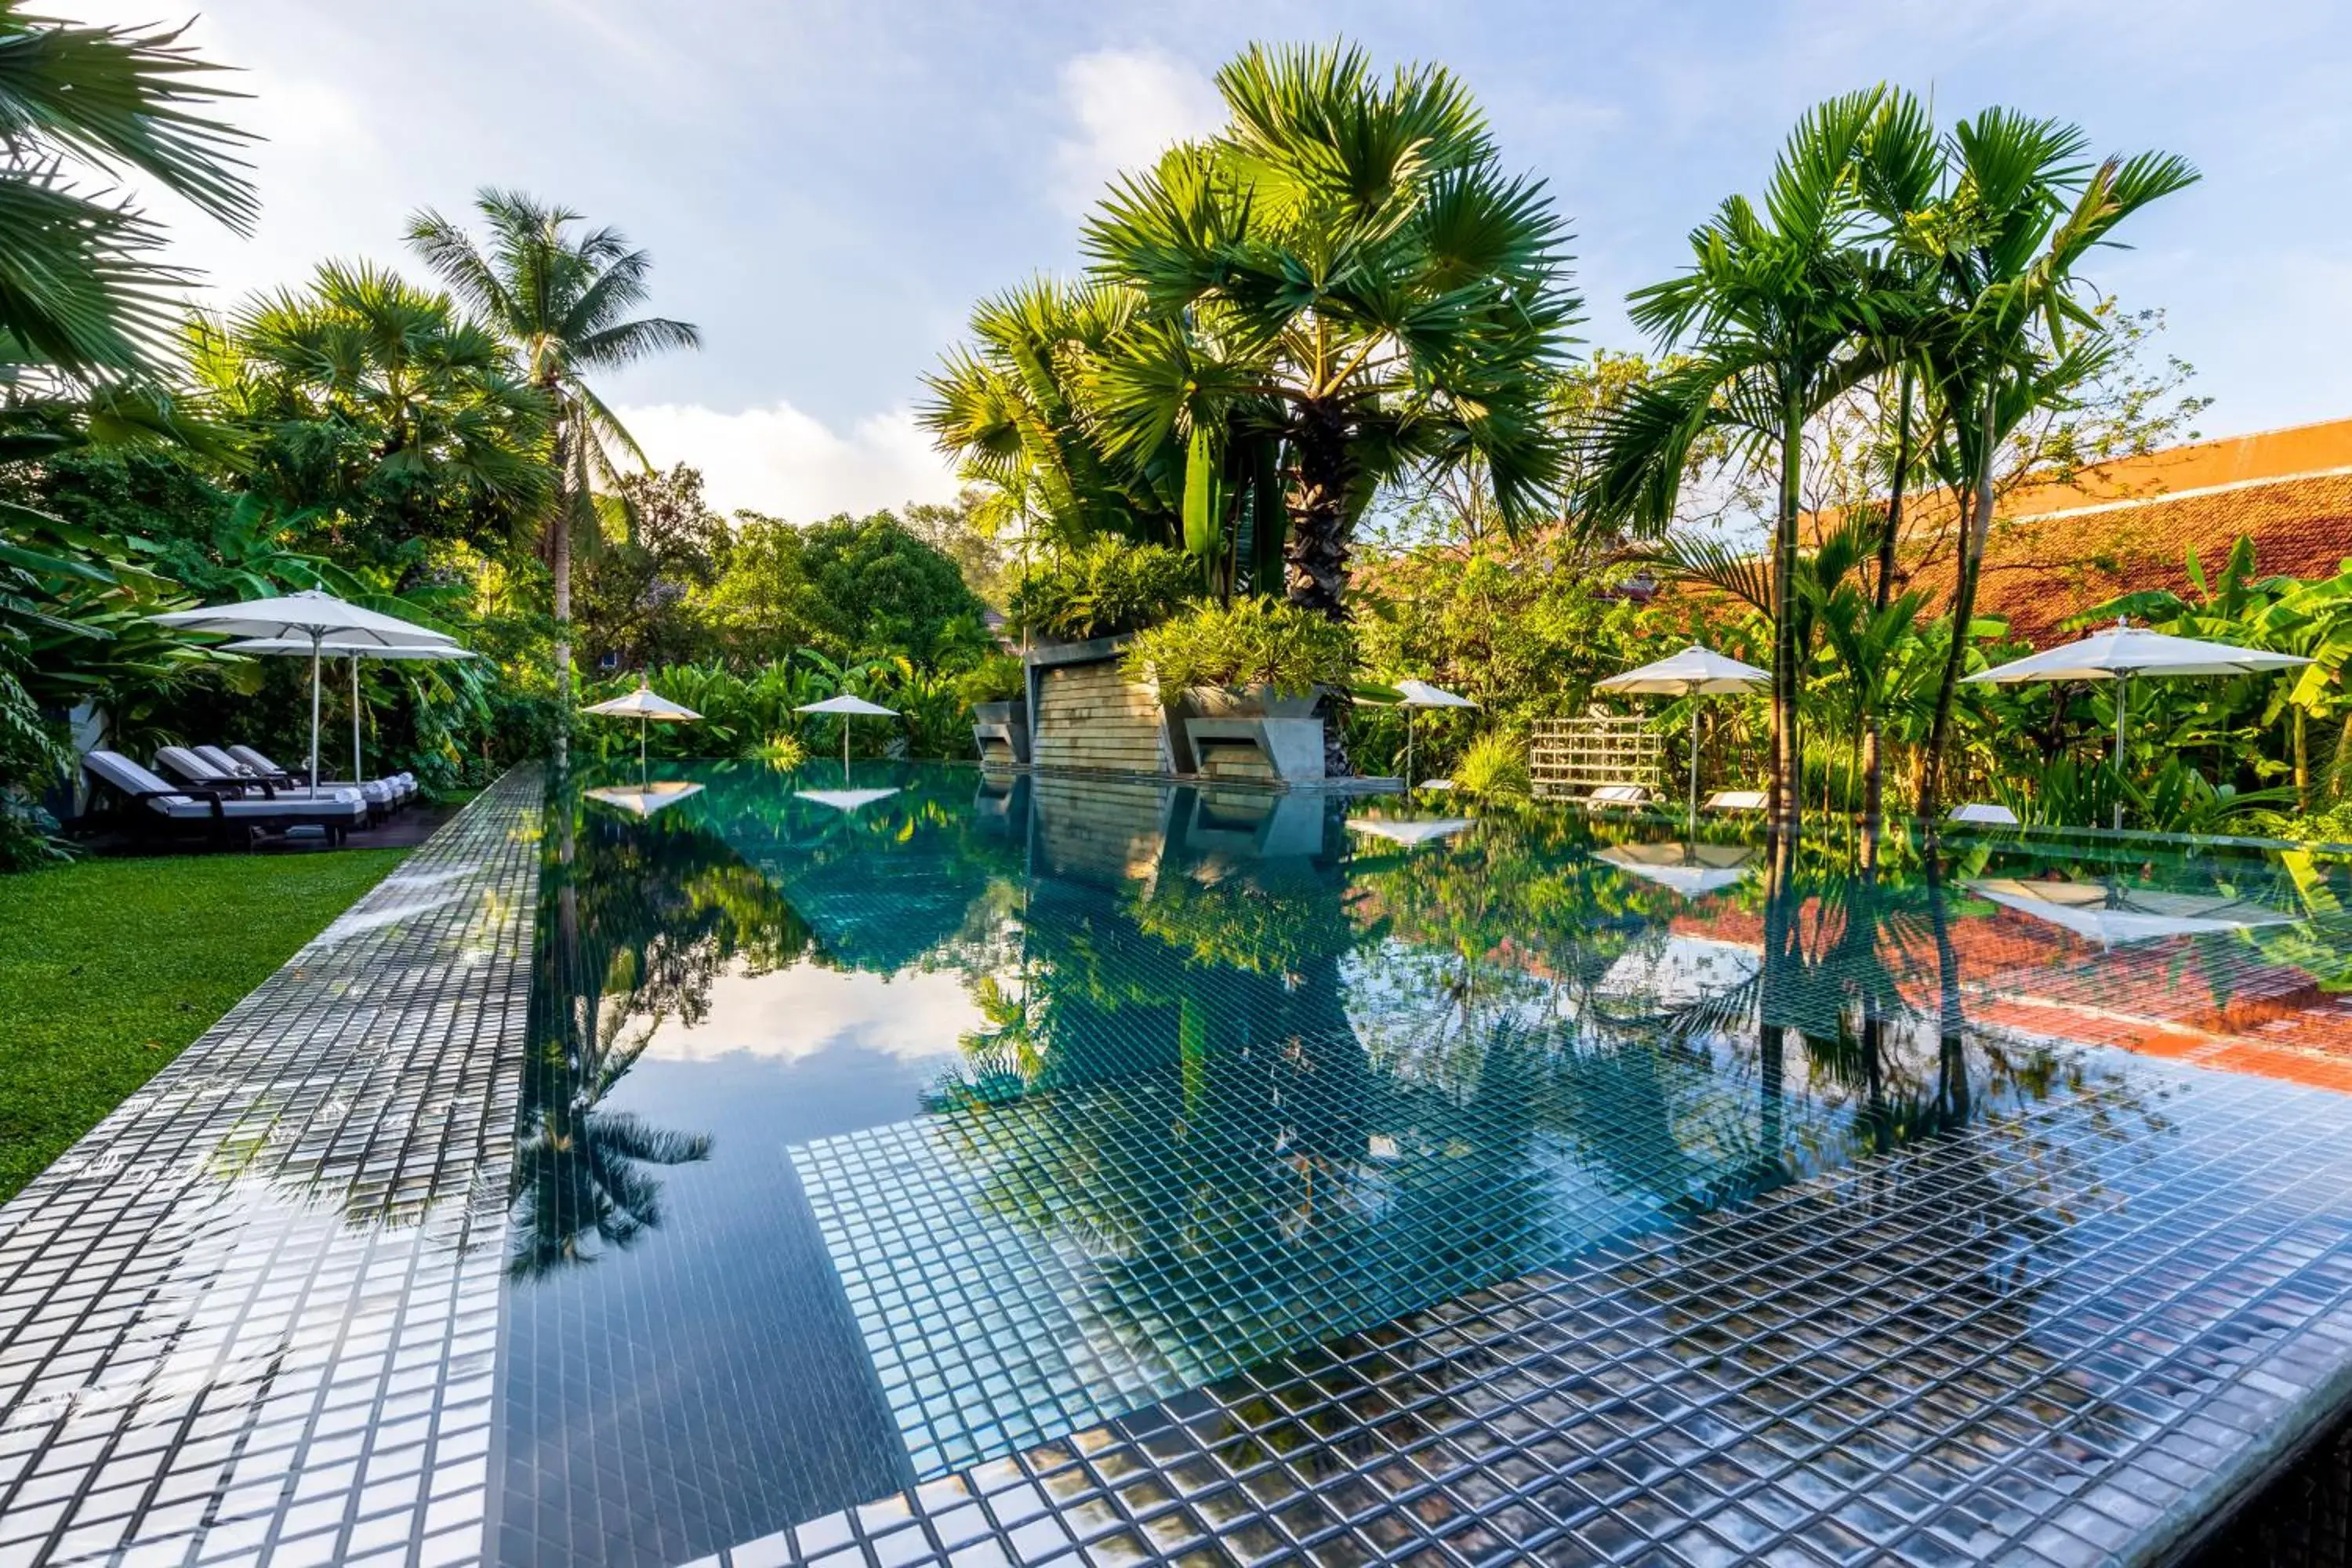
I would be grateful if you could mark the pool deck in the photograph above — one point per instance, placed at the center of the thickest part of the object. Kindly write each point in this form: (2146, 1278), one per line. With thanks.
(254, 1318)
(251, 1317)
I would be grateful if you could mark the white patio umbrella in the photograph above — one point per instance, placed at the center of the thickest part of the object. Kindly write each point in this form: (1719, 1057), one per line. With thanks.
(1693, 672)
(847, 707)
(336, 648)
(643, 704)
(314, 616)
(2123, 651)
(1421, 694)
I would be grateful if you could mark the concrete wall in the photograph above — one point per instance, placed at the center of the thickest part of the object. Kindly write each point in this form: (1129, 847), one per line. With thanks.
(1088, 715)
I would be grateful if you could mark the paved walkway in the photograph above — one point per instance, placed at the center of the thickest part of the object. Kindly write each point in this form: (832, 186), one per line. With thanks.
(252, 1315)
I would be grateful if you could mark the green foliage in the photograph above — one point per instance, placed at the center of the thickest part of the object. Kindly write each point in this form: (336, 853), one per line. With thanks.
(852, 588)
(1105, 589)
(1000, 678)
(108, 977)
(80, 290)
(1250, 642)
(1495, 764)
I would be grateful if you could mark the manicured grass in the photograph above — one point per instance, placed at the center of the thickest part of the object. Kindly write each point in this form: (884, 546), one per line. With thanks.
(109, 968)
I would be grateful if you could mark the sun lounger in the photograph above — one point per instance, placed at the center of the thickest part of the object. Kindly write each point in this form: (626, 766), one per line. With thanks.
(402, 787)
(1984, 814)
(188, 764)
(381, 796)
(157, 806)
(1736, 800)
(1615, 795)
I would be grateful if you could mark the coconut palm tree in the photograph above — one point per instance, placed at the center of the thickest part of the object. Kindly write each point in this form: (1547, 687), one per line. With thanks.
(1345, 271)
(2021, 209)
(562, 300)
(79, 292)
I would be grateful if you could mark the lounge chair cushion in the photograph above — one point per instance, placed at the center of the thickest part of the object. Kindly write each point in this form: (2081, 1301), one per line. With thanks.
(119, 773)
(390, 793)
(1619, 794)
(1736, 800)
(198, 771)
(1984, 813)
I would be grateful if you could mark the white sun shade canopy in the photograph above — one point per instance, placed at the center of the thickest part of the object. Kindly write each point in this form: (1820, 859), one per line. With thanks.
(1695, 669)
(644, 702)
(844, 703)
(304, 615)
(2135, 650)
(334, 649)
(1421, 694)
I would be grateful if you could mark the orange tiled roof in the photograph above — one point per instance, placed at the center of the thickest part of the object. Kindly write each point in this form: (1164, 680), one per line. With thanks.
(2057, 550)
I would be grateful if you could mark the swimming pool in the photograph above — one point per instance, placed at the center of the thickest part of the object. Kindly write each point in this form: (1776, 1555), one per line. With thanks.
(918, 1166)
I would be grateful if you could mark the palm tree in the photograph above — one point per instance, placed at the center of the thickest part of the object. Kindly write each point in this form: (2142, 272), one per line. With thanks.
(79, 293)
(2021, 211)
(432, 393)
(1771, 311)
(1343, 272)
(562, 300)
(1014, 409)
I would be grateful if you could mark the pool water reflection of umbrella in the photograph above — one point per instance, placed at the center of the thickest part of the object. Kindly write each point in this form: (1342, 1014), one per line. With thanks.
(643, 704)
(331, 648)
(2107, 914)
(2123, 651)
(312, 616)
(847, 801)
(1412, 835)
(643, 800)
(1694, 870)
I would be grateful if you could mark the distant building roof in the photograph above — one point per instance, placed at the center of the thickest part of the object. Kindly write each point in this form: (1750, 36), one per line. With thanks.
(2059, 549)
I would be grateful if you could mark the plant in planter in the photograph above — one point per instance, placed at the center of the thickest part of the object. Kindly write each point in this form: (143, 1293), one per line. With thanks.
(1243, 681)
(996, 691)
(1271, 648)
(1106, 589)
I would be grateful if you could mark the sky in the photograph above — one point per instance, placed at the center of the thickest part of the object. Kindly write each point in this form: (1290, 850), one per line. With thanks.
(827, 185)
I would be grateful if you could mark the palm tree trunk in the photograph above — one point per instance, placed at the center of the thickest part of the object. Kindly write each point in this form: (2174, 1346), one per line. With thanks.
(1964, 607)
(1318, 552)
(1874, 765)
(1320, 522)
(558, 565)
(1787, 778)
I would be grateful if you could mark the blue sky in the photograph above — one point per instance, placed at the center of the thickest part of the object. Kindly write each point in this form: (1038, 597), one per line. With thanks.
(827, 185)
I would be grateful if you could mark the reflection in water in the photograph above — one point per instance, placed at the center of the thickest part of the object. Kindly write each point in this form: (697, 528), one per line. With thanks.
(1233, 1081)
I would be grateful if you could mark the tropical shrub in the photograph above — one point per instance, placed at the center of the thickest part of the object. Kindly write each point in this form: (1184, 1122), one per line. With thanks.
(1104, 590)
(1495, 765)
(997, 678)
(1250, 642)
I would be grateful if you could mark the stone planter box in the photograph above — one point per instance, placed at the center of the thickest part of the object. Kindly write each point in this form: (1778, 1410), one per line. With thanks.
(1001, 730)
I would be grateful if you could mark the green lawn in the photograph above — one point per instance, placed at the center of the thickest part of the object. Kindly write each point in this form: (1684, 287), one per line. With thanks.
(108, 968)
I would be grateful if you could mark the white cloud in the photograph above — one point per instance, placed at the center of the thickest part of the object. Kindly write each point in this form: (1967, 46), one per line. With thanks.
(1130, 106)
(789, 464)
(912, 1015)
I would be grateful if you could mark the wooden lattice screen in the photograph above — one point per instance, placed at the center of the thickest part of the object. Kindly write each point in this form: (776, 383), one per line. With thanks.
(1577, 756)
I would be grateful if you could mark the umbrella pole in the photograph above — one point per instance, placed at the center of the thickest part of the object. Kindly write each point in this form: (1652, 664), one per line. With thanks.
(2123, 690)
(314, 715)
(356, 773)
(1408, 750)
(845, 748)
(1694, 764)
